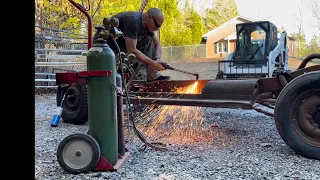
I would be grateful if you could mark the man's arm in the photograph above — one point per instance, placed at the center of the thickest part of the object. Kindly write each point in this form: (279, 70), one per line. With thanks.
(131, 48)
(157, 46)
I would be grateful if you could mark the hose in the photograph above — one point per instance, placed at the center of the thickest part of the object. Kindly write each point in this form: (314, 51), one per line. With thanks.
(141, 136)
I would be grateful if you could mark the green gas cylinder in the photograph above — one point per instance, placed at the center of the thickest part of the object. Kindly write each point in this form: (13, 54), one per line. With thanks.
(102, 100)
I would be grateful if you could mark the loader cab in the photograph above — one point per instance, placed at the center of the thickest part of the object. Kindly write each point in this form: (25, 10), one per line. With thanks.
(255, 40)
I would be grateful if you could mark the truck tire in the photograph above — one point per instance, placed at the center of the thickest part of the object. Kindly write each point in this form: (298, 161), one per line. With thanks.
(297, 115)
(75, 104)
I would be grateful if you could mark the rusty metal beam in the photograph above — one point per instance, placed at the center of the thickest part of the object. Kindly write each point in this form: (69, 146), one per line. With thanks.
(269, 85)
(202, 100)
(177, 96)
(274, 85)
(193, 102)
(167, 86)
(299, 72)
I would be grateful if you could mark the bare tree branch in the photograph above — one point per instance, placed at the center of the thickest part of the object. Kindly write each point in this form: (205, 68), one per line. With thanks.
(299, 19)
(316, 13)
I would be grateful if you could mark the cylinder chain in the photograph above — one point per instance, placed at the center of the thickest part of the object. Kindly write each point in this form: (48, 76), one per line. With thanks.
(143, 5)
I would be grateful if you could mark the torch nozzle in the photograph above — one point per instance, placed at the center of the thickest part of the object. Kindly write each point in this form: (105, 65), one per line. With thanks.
(166, 66)
(197, 76)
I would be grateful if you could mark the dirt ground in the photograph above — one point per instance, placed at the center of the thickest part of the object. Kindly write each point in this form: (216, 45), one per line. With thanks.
(208, 68)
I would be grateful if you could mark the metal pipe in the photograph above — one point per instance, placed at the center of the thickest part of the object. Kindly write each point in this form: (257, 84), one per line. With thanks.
(62, 50)
(267, 105)
(268, 100)
(45, 86)
(263, 111)
(201, 100)
(58, 64)
(307, 59)
(83, 10)
(166, 66)
(283, 81)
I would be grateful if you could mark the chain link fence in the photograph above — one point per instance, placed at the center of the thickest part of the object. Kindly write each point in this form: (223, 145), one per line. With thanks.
(184, 53)
(49, 38)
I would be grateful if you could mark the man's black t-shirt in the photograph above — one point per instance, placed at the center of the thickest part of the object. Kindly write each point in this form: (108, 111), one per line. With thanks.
(130, 23)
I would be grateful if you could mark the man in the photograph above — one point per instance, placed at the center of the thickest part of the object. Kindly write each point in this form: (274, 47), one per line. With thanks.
(138, 38)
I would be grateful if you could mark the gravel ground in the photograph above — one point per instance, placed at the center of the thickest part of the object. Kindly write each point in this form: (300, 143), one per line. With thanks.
(239, 144)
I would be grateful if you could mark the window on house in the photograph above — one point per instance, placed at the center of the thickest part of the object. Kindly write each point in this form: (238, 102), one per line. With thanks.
(221, 47)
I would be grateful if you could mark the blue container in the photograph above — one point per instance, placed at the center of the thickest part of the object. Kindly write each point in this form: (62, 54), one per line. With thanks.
(56, 117)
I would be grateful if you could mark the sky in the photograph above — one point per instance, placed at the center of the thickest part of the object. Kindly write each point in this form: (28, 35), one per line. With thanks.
(280, 12)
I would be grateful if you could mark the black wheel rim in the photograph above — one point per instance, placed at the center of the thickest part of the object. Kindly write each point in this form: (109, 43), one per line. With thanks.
(71, 99)
(304, 116)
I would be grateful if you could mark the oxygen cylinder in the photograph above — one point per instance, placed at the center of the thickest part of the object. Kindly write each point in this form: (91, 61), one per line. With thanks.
(102, 107)
(121, 143)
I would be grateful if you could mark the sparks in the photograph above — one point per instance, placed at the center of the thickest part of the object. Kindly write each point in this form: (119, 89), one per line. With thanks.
(176, 124)
(192, 89)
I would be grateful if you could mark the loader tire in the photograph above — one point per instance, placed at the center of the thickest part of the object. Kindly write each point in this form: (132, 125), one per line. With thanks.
(297, 115)
(219, 75)
(75, 104)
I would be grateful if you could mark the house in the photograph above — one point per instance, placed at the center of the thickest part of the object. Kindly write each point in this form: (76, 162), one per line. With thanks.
(291, 45)
(222, 40)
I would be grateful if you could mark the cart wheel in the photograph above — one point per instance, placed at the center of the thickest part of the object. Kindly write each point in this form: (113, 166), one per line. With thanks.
(78, 153)
(297, 115)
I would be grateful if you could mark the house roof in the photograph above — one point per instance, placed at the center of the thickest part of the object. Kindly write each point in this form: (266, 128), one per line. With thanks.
(226, 29)
(231, 37)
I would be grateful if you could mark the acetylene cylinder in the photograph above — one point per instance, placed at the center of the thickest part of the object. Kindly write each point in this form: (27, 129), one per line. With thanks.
(102, 104)
(121, 143)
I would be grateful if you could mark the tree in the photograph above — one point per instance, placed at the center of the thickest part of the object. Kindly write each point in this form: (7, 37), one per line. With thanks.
(173, 31)
(223, 11)
(301, 45)
(299, 20)
(181, 27)
(316, 13)
(314, 46)
(194, 23)
(58, 15)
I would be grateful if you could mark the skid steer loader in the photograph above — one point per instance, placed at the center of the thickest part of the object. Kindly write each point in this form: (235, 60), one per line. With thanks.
(258, 52)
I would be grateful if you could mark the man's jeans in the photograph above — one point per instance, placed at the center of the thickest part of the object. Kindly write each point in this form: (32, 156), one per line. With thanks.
(143, 71)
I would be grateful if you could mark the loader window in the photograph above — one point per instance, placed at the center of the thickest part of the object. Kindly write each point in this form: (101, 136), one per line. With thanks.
(258, 36)
(251, 43)
(258, 41)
